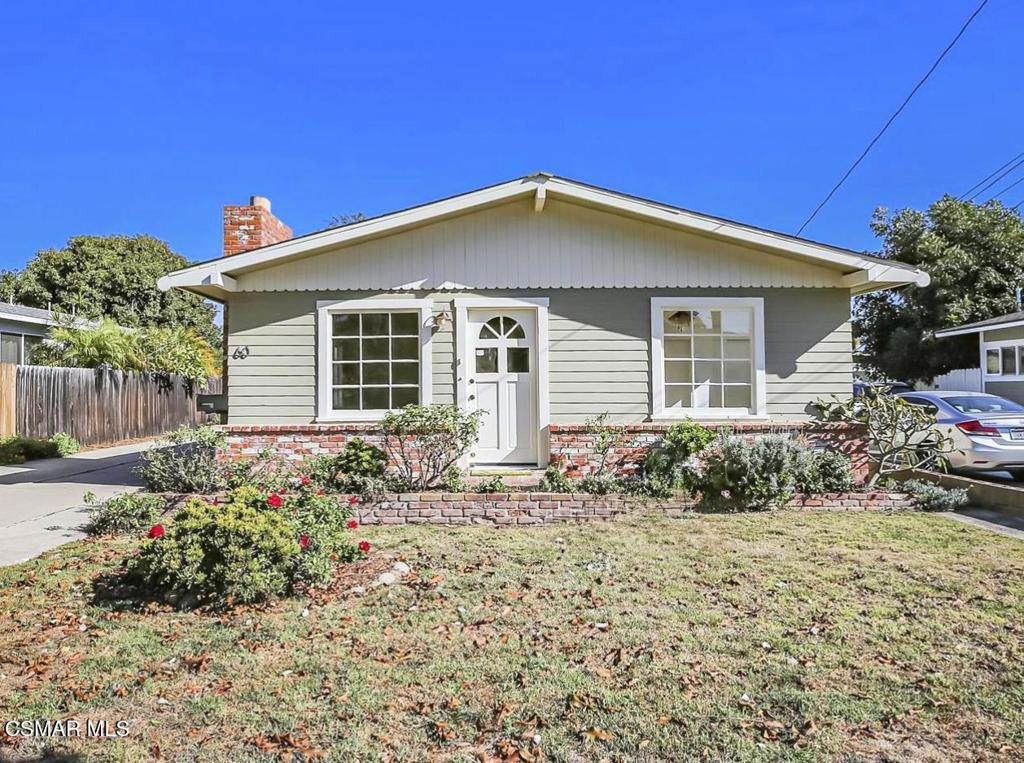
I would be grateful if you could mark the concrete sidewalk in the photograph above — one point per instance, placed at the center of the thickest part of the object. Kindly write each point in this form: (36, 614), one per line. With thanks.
(41, 503)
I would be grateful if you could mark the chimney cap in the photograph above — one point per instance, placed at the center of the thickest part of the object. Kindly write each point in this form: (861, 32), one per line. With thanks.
(259, 201)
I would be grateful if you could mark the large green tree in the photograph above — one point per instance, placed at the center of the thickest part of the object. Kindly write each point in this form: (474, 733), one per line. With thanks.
(113, 276)
(975, 257)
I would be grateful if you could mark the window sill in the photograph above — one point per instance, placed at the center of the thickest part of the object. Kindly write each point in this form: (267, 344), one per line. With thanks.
(352, 418)
(704, 414)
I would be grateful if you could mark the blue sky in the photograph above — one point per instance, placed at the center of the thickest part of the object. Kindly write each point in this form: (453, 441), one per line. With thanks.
(148, 117)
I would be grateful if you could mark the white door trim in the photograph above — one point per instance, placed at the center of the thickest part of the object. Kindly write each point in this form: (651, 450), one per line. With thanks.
(463, 351)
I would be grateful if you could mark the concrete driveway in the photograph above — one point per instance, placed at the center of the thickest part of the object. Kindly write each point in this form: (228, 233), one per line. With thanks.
(41, 503)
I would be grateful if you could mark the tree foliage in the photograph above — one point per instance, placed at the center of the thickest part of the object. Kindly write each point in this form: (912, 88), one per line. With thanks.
(115, 277)
(975, 257)
(162, 351)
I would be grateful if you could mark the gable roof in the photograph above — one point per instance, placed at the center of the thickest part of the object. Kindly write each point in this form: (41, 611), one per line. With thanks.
(861, 273)
(1002, 321)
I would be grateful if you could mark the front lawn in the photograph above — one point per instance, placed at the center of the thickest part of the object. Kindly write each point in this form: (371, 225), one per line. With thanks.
(781, 636)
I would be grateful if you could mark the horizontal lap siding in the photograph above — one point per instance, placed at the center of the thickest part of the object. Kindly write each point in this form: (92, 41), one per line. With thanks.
(599, 351)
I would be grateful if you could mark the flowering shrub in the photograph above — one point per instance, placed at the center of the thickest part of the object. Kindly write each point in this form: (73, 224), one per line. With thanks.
(671, 465)
(359, 468)
(124, 513)
(247, 547)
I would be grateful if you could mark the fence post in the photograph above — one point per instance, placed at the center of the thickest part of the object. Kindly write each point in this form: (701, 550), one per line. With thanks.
(8, 399)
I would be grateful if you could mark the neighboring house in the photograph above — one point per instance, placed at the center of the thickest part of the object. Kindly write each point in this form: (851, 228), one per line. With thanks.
(543, 301)
(21, 329)
(1001, 353)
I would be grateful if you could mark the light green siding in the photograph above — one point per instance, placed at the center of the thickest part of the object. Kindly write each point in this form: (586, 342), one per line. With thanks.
(599, 351)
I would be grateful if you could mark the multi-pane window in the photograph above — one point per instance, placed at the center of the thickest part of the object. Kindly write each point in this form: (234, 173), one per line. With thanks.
(1007, 360)
(708, 357)
(375, 360)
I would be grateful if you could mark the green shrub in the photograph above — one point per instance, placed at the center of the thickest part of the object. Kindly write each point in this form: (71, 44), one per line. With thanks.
(931, 497)
(453, 480)
(124, 513)
(425, 441)
(268, 472)
(185, 462)
(66, 444)
(741, 476)
(361, 459)
(494, 484)
(670, 465)
(18, 450)
(249, 547)
(556, 481)
(823, 471)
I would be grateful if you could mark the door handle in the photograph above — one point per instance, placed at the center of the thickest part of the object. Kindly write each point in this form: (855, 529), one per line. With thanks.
(472, 397)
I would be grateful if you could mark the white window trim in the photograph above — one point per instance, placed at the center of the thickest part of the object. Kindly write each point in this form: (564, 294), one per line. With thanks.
(462, 350)
(325, 309)
(759, 392)
(999, 344)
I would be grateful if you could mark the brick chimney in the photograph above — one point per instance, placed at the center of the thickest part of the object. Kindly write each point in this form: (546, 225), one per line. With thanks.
(252, 226)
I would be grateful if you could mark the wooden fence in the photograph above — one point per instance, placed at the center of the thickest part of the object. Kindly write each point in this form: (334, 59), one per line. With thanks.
(95, 406)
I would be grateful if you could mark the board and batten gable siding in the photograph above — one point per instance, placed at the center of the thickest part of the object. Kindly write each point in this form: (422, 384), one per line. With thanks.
(599, 350)
(566, 245)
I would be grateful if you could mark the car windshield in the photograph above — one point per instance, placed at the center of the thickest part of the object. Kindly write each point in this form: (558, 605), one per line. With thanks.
(979, 404)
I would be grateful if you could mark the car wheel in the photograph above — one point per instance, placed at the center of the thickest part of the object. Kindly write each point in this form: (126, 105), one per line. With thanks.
(1017, 474)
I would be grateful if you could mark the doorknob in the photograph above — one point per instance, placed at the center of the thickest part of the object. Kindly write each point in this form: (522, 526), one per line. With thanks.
(472, 397)
(472, 381)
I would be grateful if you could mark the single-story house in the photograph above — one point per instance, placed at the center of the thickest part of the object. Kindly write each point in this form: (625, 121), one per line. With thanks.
(543, 301)
(21, 329)
(1000, 352)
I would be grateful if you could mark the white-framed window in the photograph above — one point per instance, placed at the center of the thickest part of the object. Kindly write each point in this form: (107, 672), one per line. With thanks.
(708, 357)
(1003, 360)
(374, 357)
(16, 347)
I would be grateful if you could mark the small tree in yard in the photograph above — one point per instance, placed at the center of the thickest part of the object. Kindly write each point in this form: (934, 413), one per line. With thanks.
(425, 441)
(901, 436)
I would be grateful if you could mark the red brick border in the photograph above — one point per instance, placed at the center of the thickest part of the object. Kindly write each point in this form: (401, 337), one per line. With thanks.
(549, 508)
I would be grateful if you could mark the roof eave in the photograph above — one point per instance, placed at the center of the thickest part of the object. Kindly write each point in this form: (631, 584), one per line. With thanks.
(862, 274)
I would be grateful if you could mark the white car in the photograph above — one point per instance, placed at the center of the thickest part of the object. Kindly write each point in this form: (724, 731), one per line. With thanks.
(987, 431)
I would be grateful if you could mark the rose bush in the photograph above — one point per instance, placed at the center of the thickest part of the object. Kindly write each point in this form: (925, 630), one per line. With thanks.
(247, 547)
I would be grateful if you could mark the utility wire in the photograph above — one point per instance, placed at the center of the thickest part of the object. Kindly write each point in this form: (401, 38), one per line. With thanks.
(893, 117)
(996, 180)
(971, 190)
(1015, 183)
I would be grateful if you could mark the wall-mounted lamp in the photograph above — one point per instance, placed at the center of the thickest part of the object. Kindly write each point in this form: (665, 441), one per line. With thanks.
(440, 320)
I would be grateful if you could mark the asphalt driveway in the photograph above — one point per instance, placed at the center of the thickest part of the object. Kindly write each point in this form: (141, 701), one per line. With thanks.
(41, 503)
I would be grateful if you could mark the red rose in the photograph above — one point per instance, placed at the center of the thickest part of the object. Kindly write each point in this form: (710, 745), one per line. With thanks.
(364, 546)
(320, 491)
(303, 541)
(353, 500)
(275, 501)
(352, 524)
(306, 480)
(156, 531)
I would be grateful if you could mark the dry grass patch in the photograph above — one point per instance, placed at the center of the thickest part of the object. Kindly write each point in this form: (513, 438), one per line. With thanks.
(782, 636)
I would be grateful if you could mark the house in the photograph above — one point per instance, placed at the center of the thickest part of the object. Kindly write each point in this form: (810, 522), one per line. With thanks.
(1000, 352)
(21, 329)
(543, 301)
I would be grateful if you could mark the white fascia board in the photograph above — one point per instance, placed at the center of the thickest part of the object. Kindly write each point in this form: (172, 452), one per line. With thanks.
(978, 329)
(17, 318)
(304, 245)
(867, 273)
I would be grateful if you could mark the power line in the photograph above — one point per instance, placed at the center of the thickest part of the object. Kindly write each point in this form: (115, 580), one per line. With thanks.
(970, 190)
(1016, 182)
(996, 180)
(893, 117)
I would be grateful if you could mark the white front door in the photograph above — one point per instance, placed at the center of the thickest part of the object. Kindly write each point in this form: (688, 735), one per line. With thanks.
(502, 381)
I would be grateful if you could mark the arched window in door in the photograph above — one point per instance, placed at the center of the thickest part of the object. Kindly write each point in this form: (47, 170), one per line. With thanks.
(502, 336)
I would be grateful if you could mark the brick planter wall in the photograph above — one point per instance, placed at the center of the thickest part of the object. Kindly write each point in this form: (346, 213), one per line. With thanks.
(571, 443)
(548, 508)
